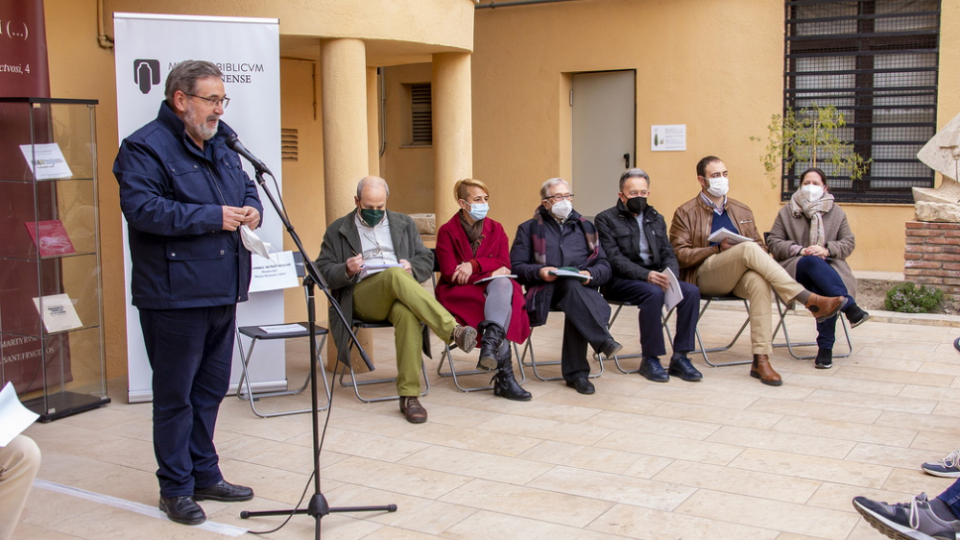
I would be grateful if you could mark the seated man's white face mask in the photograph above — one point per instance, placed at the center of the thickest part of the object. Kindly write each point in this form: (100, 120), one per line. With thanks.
(562, 209)
(719, 186)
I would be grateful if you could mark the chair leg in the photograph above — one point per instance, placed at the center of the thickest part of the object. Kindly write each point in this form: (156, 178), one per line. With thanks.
(528, 347)
(454, 374)
(356, 383)
(704, 351)
(783, 311)
(253, 397)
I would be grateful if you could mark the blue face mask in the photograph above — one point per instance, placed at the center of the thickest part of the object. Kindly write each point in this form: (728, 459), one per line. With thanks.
(479, 211)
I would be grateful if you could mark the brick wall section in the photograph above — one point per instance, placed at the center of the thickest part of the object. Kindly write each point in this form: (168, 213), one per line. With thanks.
(932, 256)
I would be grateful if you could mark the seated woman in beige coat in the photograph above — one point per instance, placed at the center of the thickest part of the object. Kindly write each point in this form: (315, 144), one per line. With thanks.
(811, 239)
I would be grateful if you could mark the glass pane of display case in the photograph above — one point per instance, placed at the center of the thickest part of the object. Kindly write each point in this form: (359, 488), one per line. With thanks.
(51, 301)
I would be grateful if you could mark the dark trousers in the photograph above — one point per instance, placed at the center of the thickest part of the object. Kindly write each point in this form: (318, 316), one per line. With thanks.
(586, 315)
(649, 298)
(817, 276)
(190, 351)
(951, 497)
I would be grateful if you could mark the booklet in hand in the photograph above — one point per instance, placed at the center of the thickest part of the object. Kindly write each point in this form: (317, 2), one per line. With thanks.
(569, 272)
(491, 278)
(726, 234)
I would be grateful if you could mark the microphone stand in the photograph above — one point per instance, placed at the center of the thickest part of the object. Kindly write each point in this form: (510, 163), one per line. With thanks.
(317, 507)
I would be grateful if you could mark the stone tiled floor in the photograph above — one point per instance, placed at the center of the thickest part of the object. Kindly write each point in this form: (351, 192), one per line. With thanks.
(724, 458)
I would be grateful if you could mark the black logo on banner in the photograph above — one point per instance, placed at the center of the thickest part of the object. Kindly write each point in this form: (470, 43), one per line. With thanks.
(146, 73)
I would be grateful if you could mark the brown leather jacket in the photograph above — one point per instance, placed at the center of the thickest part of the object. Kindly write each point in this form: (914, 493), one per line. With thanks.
(691, 228)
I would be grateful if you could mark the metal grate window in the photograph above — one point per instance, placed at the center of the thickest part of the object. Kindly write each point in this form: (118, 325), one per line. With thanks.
(876, 61)
(421, 114)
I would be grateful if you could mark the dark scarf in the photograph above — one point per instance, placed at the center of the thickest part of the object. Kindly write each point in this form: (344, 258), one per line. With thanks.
(539, 242)
(474, 232)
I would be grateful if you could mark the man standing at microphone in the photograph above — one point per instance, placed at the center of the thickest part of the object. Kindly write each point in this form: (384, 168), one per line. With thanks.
(185, 196)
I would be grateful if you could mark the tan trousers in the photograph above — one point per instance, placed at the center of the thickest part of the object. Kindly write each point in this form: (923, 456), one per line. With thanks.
(747, 271)
(19, 462)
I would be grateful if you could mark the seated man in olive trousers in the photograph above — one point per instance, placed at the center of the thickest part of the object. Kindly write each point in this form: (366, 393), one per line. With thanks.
(374, 261)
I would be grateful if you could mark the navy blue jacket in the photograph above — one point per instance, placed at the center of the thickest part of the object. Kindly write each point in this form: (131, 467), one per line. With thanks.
(565, 246)
(171, 195)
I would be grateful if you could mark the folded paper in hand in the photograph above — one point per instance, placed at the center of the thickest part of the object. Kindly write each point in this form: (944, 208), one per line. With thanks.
(253, 243)
(726, 234)
(673, 295)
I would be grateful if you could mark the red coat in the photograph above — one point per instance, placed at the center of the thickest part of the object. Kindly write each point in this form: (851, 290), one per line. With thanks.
(466, 301)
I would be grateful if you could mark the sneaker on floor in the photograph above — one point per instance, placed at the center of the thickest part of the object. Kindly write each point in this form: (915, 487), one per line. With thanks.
(945, 468)
(856, 316)
(914, 520)
(824, 359)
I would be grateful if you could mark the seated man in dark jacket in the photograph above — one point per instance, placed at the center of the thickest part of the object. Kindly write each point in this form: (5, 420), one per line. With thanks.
(639, 262)
(558, 238)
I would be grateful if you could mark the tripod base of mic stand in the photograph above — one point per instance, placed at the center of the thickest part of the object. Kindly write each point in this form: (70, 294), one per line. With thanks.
(318, 508)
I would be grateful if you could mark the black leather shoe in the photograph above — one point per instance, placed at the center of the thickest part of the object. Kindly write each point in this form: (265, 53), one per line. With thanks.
(182, 510)
(582, 385)
(223, 491)
(610, 348)
(651, 370)
(680, 366)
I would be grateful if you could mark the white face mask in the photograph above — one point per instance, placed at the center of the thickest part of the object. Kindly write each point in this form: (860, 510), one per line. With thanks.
(812, 191)
(562, 209)
(719, 186)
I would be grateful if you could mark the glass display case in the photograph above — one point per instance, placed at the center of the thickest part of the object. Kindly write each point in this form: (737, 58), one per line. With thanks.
(51, 301)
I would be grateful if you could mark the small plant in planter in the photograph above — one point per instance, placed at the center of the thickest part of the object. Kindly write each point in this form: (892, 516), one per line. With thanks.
(810, 136)
(908, 298)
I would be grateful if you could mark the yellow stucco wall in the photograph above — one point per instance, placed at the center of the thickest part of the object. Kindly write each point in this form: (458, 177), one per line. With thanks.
(80, 68)
(408, 169)
(715, 66)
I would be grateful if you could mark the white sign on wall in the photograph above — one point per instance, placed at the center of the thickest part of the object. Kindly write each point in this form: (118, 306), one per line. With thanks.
(672, 138)
(247, 50)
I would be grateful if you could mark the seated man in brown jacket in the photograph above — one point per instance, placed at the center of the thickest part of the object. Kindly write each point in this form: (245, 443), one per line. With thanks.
(742, 269)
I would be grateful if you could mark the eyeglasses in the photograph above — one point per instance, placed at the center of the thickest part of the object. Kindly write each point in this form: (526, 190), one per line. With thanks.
(559, 197)
(216, 102)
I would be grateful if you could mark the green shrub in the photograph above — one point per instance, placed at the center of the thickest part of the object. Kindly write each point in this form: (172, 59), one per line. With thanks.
(908, 298)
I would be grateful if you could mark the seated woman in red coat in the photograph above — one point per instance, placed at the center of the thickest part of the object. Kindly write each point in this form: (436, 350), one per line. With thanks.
(470, 248)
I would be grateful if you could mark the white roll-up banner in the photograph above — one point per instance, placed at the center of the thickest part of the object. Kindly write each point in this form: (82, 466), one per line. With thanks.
(247, 51)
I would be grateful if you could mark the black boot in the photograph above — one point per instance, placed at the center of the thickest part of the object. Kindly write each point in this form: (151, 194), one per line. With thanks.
(489, 345)
(505, 385)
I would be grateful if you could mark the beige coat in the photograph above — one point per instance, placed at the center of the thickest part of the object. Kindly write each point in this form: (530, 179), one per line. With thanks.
(789, 230)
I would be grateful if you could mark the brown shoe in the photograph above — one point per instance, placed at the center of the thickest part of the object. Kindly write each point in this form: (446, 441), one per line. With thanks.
(412, 410)
(465, 337)
(825, 307)
(762, 370)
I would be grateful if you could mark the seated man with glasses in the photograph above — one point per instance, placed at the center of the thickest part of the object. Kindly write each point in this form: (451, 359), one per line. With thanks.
(558, 257)
(634, 237)
(374, 261)
(737, 267)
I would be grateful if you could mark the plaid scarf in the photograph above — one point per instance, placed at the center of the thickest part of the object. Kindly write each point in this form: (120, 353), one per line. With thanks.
(539, 242)
(800, 205)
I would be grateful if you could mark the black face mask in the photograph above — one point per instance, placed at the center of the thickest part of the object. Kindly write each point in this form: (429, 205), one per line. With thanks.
(637, 204)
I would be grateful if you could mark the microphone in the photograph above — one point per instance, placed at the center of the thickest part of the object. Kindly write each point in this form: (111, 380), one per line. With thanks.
(234, 143)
